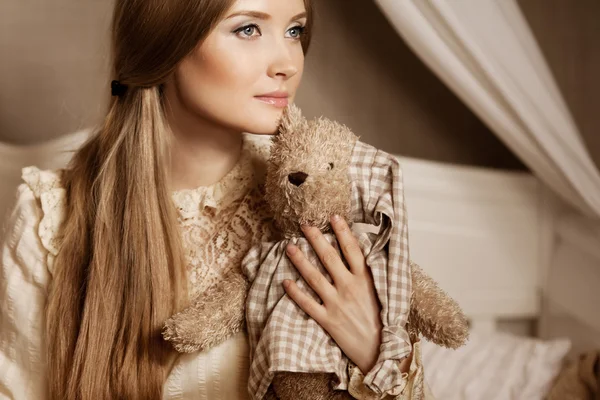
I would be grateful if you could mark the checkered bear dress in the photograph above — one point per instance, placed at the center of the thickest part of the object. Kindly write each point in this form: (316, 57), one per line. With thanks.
(283, 337)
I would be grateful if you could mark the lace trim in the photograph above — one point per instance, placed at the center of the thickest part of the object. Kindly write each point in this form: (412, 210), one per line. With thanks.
(46, 185)
(234, 185)
(237, 183)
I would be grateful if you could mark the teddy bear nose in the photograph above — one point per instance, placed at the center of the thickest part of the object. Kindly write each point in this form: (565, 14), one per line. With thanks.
(297, 178)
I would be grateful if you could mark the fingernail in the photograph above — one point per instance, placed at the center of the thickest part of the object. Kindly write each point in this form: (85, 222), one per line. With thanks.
(291, 249)
(335, 218)
(286, 283)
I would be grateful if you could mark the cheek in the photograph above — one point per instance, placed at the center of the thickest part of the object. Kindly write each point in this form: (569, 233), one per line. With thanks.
(295, 80)
(214, 77)
(217, 83)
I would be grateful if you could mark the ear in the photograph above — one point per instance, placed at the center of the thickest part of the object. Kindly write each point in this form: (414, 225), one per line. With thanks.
(291, 120)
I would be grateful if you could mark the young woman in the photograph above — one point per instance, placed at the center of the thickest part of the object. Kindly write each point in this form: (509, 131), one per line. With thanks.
(99, 255)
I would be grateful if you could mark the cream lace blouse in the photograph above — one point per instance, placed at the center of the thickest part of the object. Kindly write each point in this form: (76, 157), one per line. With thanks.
(218, 224)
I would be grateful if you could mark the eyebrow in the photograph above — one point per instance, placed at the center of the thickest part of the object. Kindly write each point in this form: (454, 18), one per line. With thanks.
(262, 15)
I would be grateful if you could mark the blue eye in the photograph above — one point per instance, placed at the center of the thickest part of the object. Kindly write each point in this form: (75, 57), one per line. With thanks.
(299, 29)
(247, 30)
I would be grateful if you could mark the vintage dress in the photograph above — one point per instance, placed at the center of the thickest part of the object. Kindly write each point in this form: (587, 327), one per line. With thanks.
(218, 224)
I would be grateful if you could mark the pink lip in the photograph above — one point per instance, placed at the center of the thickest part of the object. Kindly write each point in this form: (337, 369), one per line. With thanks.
(280, 102)
(278, 93)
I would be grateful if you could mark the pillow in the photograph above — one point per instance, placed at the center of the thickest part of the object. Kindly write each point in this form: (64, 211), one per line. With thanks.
(494, 366)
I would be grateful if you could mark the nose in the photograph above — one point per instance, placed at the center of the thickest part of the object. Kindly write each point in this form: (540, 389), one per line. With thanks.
(297, 178)
(282, 64)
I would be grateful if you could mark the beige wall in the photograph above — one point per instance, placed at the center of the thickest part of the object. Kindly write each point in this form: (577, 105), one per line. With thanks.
(53, 66)
(361, 73)
(568, 31)
(54, 79)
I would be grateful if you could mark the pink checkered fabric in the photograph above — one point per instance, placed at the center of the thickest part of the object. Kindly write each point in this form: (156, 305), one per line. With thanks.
(284, 338)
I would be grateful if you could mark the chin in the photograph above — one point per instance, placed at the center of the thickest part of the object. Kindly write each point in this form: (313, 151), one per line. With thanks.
(255, 131)
(264, 124)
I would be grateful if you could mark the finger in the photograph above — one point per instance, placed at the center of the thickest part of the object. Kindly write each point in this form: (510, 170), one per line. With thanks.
(315, 310)
(328, 255)
(349, 245)
(317, 281)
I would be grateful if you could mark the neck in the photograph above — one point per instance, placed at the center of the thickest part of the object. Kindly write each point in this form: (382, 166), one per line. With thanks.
(202, 152)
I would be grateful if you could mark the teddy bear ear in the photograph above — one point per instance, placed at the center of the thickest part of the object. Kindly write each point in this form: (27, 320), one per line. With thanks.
(291, 119)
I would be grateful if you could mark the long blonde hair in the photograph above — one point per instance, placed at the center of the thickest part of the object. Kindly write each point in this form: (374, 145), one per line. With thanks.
(120, 272)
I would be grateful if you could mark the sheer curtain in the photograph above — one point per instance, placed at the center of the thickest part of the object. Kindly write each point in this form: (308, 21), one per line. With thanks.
(485, 52)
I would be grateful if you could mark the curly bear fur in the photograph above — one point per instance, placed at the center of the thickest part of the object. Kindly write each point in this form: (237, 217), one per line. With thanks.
(300, 150)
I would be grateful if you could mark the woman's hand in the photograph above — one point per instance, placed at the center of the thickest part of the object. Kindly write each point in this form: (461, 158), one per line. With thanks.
(350, 309)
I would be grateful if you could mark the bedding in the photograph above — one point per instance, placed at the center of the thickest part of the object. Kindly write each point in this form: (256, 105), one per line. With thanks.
(494, 366)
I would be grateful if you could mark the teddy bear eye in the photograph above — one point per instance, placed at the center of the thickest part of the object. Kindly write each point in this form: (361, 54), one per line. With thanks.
(330, 166)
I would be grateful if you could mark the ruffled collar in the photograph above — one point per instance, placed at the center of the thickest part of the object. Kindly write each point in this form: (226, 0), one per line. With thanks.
(235, 184)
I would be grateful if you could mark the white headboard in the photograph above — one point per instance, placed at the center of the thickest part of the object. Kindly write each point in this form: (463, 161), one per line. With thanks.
(483, 234)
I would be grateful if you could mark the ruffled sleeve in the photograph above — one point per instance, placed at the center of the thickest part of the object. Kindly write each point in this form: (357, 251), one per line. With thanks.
(47, 189)
(412, 387)
(24, 279)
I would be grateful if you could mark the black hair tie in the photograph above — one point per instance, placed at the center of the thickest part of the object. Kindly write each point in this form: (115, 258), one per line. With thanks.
(117, 88)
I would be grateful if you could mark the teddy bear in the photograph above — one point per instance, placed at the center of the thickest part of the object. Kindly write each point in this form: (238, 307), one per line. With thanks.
(307, 181)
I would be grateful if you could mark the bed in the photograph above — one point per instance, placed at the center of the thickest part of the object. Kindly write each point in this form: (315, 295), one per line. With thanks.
(524, 271)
